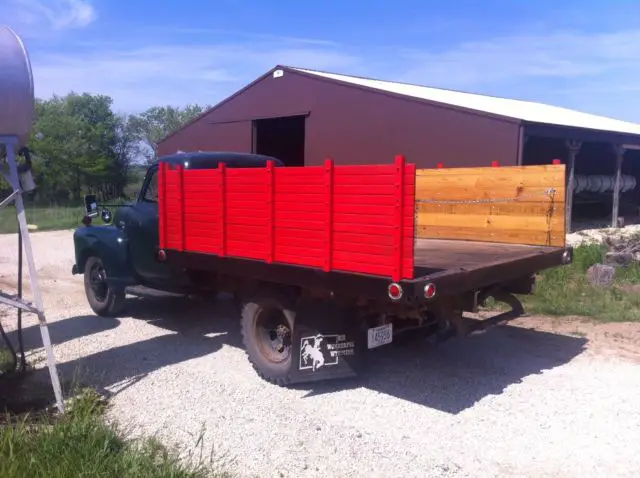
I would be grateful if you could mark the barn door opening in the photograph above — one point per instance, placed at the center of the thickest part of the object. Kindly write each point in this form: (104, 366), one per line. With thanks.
(282, 138)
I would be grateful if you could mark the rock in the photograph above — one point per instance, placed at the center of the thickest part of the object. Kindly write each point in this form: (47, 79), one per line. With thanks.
(601, 275)
(615, 242)
(632, 288)
(618, 259)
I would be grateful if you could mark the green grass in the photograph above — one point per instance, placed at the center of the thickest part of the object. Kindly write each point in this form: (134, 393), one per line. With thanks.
(52, 218)
(6, 359)
(81, 443)
(566, 291)
(56, 217)
(46, 218)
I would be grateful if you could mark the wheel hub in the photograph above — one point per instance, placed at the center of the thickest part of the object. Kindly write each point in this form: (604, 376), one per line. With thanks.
(98, 279)
(282, 335)
(273, 336)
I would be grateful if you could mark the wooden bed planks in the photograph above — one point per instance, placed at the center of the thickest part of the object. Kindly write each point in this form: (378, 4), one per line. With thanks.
(515, 204)
(449, 254)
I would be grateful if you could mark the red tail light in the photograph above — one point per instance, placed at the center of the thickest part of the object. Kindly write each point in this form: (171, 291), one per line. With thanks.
(429, 291)
(395, 291)
(86, 220)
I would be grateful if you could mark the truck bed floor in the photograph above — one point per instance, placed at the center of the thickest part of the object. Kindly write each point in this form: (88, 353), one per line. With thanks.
(433, 255)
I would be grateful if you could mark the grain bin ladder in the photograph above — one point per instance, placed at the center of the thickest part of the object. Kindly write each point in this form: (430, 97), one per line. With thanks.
(16, 119)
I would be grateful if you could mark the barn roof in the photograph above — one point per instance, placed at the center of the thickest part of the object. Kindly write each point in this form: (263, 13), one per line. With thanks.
(517, 109)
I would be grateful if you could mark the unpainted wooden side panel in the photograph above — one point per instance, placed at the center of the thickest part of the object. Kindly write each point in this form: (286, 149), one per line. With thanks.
(515, 204)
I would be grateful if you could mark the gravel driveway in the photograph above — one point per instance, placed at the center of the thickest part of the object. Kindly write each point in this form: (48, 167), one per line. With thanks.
(516, 401)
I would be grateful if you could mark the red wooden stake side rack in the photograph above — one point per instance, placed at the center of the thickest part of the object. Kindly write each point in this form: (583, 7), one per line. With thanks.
(357, 219)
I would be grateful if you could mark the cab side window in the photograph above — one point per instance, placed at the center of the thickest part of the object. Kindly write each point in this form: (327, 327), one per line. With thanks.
(151, 193)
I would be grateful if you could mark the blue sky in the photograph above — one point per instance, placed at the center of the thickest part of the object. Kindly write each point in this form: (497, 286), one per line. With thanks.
(581, 54)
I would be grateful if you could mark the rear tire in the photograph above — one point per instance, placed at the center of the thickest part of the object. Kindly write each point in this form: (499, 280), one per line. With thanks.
(267, 330)
(104, 299)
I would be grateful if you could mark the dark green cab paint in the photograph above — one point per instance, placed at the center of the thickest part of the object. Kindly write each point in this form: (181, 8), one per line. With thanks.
(128, 246)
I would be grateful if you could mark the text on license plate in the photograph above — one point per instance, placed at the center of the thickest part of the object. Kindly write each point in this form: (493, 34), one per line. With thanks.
(378, 336)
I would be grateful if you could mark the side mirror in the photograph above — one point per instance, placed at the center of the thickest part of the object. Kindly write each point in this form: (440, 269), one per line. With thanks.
(106, 216)
(91, 209)
(90, 205)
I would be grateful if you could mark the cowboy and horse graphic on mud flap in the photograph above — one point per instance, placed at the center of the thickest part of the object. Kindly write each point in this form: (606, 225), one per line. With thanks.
(319, 350)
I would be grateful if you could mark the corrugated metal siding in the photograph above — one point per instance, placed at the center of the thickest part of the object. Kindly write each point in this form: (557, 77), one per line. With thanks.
(202, 135)
(518, 109)
(354, 126)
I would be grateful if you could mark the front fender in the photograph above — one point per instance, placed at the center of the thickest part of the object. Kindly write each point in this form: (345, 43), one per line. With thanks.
(108, 243)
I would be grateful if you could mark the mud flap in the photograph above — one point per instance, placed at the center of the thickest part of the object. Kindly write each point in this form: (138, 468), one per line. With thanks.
(327, 343)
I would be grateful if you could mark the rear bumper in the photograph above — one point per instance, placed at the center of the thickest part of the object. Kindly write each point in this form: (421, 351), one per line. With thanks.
(456, 281)
(450, 282)
(74, 270)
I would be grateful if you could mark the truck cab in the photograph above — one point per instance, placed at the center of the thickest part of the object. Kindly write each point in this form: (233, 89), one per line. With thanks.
(124, 251)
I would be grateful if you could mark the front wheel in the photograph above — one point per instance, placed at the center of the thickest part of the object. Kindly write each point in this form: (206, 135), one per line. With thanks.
(267, 331)
(104, 299)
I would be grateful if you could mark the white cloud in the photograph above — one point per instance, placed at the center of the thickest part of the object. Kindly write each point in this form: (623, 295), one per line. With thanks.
(32, 17)
(560, 55)
(572, 69)
(151, 75)
(590, 72)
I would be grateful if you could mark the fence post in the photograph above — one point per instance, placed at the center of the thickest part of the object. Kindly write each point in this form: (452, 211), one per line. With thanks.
(271, 220)
(328, 182)
(399, 222)
(222, 167)
(183, 220)
(162, 205)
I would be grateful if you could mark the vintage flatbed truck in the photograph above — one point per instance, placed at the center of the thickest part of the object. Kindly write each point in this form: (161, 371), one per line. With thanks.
(328, 261)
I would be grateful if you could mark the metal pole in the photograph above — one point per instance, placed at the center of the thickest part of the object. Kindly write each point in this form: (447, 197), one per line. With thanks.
(615, 212)
(574, 148)
(23, 364)
(11, 144)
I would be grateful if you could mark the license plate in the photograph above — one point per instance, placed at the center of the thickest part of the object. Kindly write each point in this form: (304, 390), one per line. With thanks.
(378, 336)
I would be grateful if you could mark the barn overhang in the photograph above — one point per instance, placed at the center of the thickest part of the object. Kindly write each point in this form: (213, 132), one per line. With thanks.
(574, 138)
(579, 134)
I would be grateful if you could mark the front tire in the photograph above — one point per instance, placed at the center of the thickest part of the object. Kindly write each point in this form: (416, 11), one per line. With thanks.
(267, 331)
(104, 299)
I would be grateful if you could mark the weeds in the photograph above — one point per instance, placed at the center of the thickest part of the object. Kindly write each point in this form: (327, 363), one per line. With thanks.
(6, 359)
(81, 443)
(45, 218)
(566, 290)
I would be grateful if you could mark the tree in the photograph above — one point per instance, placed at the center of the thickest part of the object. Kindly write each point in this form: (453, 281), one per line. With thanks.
(157, 122)
(126, 150)
(78, 144)
(57, 146)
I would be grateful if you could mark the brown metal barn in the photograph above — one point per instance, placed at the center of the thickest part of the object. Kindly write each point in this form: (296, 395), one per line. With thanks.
(304, 116)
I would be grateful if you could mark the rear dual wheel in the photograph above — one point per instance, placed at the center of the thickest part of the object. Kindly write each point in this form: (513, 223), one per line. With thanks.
(267, 331)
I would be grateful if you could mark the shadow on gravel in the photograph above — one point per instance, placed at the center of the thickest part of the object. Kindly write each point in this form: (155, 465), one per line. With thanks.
(62, 331)
(454, 375)
(195, 329)
(449, 377)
